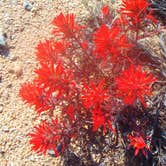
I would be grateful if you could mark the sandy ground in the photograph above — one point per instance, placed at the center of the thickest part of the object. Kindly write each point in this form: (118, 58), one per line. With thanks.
(24, 29)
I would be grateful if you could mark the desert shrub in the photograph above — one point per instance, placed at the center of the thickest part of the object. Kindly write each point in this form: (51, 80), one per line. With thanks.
(90, 73)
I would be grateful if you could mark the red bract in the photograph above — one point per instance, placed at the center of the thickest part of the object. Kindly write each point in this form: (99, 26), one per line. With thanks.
(138, 144)
(46, 137)
(49, 75)
(134, 83)
(48, 51)
(137, 12)
(94, 95)
(36, 96)
(65, 25)
(98, 119)
(105, 10)
(110, 42)
(71, 112)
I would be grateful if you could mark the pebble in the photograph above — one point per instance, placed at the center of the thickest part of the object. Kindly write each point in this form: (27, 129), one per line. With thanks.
(13, 58)
(9, 85)
(2, 152)
(27, 5)
(13, 2)
(3, 38)
(17, 70)
(5, 129)
(1, 108)
(51, 153)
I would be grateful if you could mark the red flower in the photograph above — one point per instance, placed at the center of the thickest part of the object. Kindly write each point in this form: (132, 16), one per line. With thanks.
(48, 51)
(56, 79)
(134, 83)
(50, 75)
(105, 10)
(35, 95)
(136, 11)
(66, 25)
(98, 119)
(138, 144)
(110, 41)
(46, 137)
(71, 112)
(84, 45)
(94, 95)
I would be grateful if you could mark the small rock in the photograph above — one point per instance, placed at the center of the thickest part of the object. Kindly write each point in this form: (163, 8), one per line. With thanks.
(2, 152)
(9, 85)
(1, 108)
(3, 38)
(17, 70)
(13, 58)
(31, 158)
(12, 129)
(27, 5)
(51, 153)
(5, 129)
(13, 2)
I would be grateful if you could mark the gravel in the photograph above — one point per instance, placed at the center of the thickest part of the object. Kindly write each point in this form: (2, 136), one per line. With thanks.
(24, 30)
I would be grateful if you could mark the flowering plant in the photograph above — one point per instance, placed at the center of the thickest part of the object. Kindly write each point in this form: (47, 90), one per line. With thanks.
(89, 74)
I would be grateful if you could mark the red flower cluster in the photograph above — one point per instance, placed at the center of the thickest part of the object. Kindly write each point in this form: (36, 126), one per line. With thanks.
(73, 80)
(138, 144)
(48, 51)
(136, 12)
(35, 95)
(105, 10)
(65, 25)
(94, 95)
(110, 42)
(46, 137)
(100, 120)
(133, 84)
(53, 76)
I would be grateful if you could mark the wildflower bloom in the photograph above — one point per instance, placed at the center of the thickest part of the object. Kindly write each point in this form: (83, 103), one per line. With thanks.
(98, 119)
(35, 95)
(138, 144)
(56, 79)
(134, 83)
(50, 74)
(136, 11)
(94, 95)
(66, 25)
(84, 45)
(105, 10)
(45, 137)
(48, 51)
(70, 111)
(110, 41)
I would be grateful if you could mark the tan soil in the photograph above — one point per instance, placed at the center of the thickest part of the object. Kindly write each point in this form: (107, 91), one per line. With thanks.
(24, 30)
